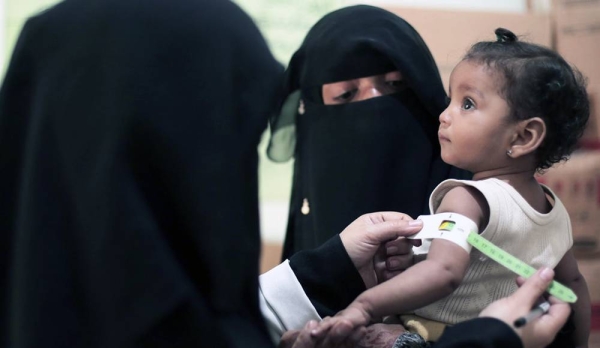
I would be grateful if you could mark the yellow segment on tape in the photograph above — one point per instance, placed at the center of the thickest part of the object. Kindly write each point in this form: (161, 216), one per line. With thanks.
(519, 267)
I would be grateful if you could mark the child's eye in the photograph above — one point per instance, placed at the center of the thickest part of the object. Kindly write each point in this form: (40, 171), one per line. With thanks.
(447, 100)
(468, 104)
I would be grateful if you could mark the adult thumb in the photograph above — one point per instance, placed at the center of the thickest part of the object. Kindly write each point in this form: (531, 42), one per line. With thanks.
(535, 286)
(392, 229)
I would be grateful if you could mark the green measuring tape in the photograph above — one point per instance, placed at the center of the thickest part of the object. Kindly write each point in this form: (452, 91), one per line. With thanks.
(519, 267)
(455, 227)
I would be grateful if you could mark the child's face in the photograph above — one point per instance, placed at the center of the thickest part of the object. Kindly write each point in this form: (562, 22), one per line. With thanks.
(475, 131)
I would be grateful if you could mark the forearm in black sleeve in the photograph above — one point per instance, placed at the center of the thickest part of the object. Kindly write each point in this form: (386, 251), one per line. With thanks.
(328, 276)
(479, 333)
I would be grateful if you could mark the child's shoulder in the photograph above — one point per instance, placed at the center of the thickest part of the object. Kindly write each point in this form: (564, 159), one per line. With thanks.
(463, 199)
(468, 197)
(458, 195)
(449, 184)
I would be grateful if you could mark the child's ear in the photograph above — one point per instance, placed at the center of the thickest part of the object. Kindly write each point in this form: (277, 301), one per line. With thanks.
(528, 136)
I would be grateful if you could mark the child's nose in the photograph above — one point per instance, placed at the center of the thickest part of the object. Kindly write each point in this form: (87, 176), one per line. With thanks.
(445, 117)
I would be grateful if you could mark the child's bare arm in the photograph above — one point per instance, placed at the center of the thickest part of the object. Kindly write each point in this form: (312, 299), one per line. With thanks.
(427, 281)
(424, 283)
(568, 273)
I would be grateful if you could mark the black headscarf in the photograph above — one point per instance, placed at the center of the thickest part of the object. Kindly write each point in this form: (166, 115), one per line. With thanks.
(373, 155)
(128, 176)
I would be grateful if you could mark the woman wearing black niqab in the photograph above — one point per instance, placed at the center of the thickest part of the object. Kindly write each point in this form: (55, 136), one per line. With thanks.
(374, 155)
(128, 172)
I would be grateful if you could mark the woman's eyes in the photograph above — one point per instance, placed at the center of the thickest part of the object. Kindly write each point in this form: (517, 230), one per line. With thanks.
(350, 92)
(346, 96)
(396, 85)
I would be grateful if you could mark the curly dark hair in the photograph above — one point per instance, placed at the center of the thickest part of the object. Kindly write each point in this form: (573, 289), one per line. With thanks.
(538, 82)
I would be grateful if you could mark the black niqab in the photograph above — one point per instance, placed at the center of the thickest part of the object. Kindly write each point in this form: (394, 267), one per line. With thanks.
(128, 172)
(374, 155)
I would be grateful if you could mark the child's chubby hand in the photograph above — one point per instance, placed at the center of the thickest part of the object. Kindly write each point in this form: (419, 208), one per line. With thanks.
(339, 331)
(356, 314)
(347, 320)
(324, 335)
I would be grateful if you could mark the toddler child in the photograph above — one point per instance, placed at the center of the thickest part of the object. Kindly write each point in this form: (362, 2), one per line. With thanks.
(515, 108)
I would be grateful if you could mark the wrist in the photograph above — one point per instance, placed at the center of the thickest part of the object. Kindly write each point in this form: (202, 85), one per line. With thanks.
(363, 306)
(368, 275)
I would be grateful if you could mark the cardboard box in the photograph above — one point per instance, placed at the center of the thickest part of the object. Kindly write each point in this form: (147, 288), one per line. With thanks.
(577, 28)
(539, 6)
(590, 269)
(449, 34)
(577, 184)
(591, 136)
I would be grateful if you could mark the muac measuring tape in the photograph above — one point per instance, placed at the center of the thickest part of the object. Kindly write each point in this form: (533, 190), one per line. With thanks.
(438, 225)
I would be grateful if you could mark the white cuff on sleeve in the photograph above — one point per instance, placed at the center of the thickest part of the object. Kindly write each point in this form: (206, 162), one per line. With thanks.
(283, 302)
